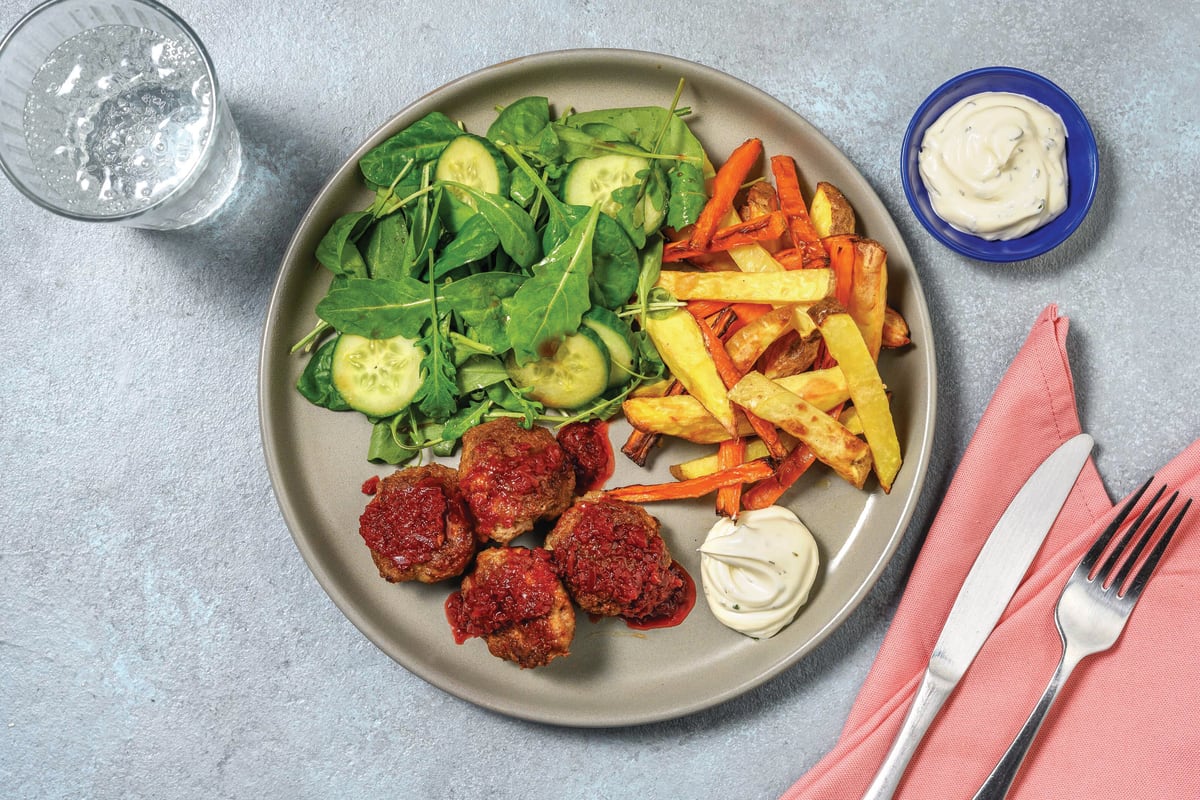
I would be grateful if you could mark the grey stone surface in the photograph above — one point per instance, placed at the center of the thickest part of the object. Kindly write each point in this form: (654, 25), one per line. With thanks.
(160, 635)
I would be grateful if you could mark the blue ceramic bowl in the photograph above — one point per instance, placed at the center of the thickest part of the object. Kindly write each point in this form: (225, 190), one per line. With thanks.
(1082, 166)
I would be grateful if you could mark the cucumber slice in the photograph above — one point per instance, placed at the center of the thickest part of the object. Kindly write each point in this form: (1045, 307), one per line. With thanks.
(378, 377)
(592, 181)
(615, 334)
(475, 162)
(575, 374)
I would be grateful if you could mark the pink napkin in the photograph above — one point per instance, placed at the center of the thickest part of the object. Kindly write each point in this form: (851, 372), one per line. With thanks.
(1126, 724)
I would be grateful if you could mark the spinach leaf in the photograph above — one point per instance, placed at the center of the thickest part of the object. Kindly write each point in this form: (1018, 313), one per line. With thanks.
(316, 382)
(615, 264)
(389, 252)
(510, 222)
(480, 372)
(378, 308)
(551, 303)
(385, 448)
(337, 250)
(520, 121)
(651, 266)
(421, 142)
(476, 240)
(478, 301)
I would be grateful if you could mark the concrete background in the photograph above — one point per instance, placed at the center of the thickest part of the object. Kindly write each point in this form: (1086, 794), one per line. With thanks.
(160, 635)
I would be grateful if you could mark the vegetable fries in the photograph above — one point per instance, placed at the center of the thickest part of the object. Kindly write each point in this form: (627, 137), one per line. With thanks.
(794, 380)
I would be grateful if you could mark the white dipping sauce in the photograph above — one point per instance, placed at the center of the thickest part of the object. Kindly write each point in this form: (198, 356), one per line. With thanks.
(995, 165)
(757, 572)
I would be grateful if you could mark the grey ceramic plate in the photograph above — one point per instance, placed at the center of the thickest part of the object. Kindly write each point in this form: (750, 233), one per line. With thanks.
(614, 675)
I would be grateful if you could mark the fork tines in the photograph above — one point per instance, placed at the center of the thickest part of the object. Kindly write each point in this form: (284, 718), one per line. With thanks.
(1131, 557)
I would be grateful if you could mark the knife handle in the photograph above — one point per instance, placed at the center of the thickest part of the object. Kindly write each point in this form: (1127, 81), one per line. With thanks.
(925, 706)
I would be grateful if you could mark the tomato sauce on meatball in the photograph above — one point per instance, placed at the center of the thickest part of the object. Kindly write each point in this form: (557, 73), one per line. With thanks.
(417, 527)
(590, 452)
(613, 560)
(514, 600)
(511, 477)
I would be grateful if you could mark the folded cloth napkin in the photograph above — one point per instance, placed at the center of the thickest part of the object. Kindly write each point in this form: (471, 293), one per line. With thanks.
(1125, 724)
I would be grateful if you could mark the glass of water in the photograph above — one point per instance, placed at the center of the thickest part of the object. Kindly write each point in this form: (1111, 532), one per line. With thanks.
(110, 111)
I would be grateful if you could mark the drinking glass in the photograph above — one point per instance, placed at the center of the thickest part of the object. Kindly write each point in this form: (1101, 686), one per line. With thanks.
(110, 111)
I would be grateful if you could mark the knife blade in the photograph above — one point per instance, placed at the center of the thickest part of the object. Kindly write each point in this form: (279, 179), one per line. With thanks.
(986, 592)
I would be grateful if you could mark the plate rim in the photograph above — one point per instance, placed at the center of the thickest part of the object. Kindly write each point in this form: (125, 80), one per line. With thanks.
(918, 461)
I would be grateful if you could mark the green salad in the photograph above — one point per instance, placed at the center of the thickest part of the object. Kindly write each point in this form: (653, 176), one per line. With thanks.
(503, 274)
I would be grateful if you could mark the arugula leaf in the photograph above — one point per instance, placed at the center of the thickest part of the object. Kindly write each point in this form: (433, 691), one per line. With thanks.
(511, 398)
(420, 142)
(438, 396)
(465, 419)
(337, 250)
(378, 308)
(384, 448)
(551, 303)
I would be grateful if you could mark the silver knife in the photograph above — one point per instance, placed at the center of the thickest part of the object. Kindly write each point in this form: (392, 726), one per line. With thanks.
(991, 583)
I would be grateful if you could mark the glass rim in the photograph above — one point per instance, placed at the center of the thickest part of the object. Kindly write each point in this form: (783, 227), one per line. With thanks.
(218, 99)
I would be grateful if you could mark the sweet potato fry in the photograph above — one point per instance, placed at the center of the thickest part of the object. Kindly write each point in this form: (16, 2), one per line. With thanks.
(828, 439)
(748, 472)
(794, 286)
(846, 346)
(790, 354)
(868, 292)
(729, 179)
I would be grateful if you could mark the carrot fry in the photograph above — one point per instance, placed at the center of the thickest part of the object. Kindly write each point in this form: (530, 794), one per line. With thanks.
(791, 201)
(767, 491)
(706, 308)
(749, 472)
(841, 261)
(730, 453)
(754, 231)
(730, 375)
(748, 312)
(728, 181)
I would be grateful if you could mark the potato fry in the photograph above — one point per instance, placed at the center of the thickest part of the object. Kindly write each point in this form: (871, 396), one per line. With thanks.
(706, 465)
(790, 354)
(752, 339)
(831, 213)
(684, 417)
(895, 329)
(681, 345)
(867, 392)
(794, 286)
(830, 442)
(868, 292)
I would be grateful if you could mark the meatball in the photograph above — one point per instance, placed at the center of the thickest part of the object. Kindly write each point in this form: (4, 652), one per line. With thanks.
(612, 559)
(511, 477)
(417, 526)
(515, 601)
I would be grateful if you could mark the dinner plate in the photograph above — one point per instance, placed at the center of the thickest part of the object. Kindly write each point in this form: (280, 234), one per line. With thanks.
(615, 675)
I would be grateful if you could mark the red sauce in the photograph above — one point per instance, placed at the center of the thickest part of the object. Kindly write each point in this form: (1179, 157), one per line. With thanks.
(406, 524)
(613, 553)
(590, 452)
(371, 485)
(503, 592)
(676, 607)
(510, 475)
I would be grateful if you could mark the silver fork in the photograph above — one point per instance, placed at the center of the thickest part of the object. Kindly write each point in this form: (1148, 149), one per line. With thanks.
(1090, 615)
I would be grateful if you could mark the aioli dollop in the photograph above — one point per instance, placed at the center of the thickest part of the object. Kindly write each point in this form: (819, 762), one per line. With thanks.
(757, 572)
(995, 166)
